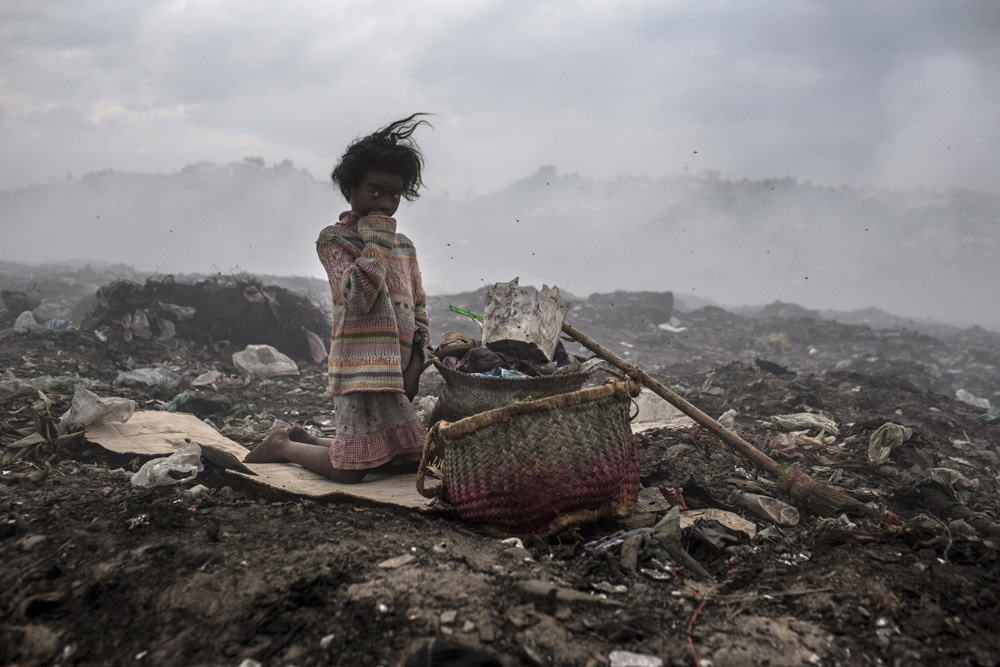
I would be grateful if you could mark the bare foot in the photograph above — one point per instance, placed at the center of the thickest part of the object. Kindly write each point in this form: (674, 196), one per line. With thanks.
(300, 434)
(271, 449)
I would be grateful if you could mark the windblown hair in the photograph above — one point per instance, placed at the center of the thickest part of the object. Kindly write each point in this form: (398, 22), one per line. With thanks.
(391, 150)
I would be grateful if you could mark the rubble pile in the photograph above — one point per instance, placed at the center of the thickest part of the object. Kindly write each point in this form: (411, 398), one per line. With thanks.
(651, 332)
(220, 313)
(718, 565)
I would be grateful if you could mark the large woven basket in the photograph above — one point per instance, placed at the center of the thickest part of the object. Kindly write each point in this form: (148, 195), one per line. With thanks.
(539, 466)
(467, 394)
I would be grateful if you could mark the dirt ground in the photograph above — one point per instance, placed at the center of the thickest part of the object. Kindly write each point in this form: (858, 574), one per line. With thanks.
(97, 572)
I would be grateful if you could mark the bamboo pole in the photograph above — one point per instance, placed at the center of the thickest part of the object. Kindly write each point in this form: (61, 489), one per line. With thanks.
(821, 498)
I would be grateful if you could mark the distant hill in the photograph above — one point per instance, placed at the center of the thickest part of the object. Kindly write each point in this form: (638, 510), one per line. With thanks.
(918, 255)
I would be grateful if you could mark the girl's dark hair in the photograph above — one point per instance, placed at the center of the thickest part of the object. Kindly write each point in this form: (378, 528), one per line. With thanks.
(391, 150)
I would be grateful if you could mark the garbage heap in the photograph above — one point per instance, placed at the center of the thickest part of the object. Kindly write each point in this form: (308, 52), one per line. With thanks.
(223, 313)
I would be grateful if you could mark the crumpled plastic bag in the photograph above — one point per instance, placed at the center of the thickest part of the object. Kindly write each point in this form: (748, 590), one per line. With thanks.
(264, 361)
(806, 420)
(26, 322)
(12, 387)
(181, 466)
(317, 348)
(971, 399)
(884, 439)
(88, 408)
(157, 378)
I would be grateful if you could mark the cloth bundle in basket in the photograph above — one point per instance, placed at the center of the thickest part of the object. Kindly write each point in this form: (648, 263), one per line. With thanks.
(540, 466)
(467, 394)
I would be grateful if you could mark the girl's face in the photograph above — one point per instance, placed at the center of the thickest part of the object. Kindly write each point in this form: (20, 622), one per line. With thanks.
(378, 192)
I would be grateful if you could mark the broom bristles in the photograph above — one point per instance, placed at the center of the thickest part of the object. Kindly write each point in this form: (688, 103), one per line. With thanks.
(823, 499)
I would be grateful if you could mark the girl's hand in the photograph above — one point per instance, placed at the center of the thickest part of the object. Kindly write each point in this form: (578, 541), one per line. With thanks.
(411, 374)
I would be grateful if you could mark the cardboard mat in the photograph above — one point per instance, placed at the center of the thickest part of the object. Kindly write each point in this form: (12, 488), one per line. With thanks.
(155, 433)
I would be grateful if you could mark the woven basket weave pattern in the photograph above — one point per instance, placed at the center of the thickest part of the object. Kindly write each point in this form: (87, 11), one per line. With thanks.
(539, 466)
(466, 394)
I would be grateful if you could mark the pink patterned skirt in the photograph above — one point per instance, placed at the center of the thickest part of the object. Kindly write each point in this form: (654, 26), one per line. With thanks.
(375, 428)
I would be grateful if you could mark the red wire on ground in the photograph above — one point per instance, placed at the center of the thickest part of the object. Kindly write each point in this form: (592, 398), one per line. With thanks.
(694, 616)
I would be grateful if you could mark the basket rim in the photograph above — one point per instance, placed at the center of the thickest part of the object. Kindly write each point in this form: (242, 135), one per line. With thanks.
(611, 387)
(484, 379)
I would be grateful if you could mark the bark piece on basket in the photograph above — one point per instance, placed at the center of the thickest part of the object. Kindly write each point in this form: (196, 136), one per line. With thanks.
(523, 323)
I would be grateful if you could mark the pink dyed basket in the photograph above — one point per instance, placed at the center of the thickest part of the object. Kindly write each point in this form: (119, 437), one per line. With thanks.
(540, 466)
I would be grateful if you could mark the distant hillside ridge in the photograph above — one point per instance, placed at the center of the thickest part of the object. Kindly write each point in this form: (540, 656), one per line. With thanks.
(915, 254)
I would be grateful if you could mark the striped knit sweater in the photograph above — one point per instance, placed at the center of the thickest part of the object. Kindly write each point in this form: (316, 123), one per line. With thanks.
(379, 305)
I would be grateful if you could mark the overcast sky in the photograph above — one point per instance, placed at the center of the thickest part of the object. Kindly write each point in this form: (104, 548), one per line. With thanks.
(897, 94)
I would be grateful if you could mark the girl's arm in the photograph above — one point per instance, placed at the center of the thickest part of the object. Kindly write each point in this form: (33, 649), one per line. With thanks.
(421, 321)
(356, 280)
(421, 336)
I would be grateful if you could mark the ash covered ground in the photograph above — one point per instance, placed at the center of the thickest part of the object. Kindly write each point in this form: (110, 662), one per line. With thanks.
(98, 572)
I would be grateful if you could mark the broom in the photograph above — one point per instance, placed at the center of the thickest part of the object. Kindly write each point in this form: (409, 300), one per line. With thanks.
(821, 498)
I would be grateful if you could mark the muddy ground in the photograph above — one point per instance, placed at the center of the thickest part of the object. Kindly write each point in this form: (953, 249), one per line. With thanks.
(97, 572)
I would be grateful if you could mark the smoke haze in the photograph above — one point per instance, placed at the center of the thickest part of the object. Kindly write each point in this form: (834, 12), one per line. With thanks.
(737, 242)
(833, 154)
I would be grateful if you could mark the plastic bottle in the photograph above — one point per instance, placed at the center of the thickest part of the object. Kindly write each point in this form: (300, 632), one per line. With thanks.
(767, 508)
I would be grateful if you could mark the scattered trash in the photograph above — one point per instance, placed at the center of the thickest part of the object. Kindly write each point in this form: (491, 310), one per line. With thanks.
(438, 651)
(652, 412)
(197, 491)
(59, 383)
(608, 587)
(12, 387)
(19, 301)
(88, 408)
(58, 325)
(766, 507)
(728, 519)
(264, 361)
(397, 562)
(629, 659)
(208, 379)
(181, 466)
(614, 540)
(176, 402)
(673, 496)
(155, 378)
(885, 438)
(670, 524)
(728, 418)
(25, 322)
(971, 399)
(806, 420)
(317, 348)
(523, 323)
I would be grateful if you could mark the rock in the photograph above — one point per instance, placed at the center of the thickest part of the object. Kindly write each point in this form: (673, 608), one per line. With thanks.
(31, 542)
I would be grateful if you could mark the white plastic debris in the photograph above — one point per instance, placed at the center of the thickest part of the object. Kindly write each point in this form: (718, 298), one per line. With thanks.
(264, 361)
(972, 399)
(156, 378)
(629, 659)
(806, 420)
(25, 322)
(207, 379)
(88, 408)
(728, 418)
(181, 466)
(887, 437)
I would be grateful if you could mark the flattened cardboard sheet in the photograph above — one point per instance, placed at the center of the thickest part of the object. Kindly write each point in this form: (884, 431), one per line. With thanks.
(655, 412)
(155, 433)
(727, 519)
